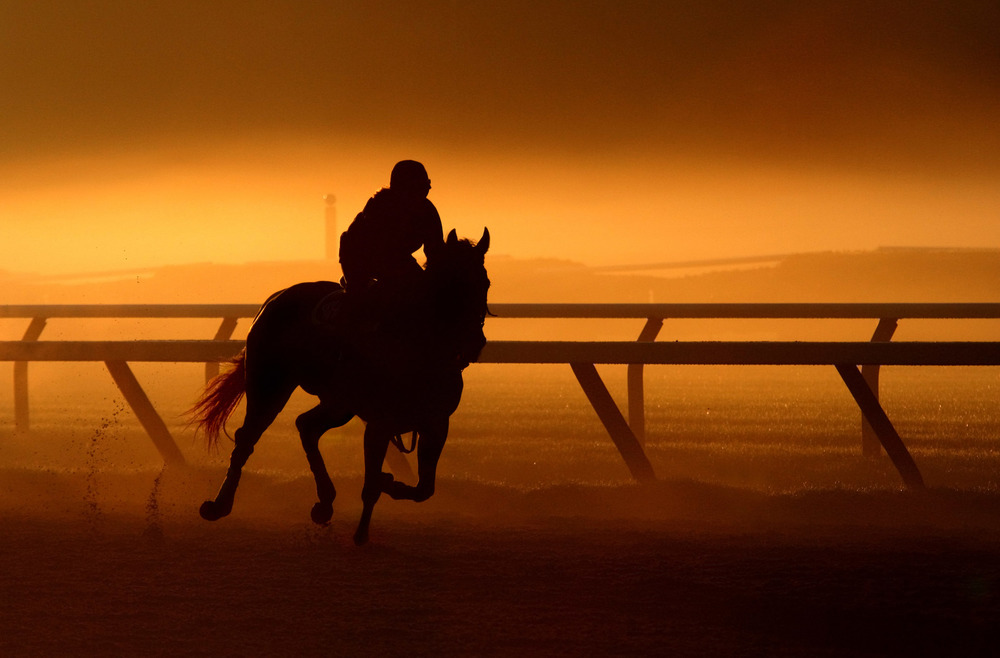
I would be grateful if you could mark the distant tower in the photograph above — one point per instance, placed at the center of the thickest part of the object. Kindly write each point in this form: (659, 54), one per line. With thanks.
(332, 239)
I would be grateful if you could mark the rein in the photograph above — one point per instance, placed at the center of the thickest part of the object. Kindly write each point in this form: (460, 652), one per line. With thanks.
(397, 440)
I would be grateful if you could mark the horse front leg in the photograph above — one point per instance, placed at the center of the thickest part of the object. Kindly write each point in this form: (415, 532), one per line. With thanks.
(376, 443)
(429, 447)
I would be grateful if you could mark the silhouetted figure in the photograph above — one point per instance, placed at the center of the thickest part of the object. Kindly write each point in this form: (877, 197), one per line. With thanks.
(380, 242)
(405, 380)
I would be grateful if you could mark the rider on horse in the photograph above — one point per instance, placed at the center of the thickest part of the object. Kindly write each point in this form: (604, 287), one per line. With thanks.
(380, 242)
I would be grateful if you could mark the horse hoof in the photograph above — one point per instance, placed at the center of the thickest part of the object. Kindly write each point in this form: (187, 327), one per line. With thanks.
(321, 513)
(360, 538)
(210, 511)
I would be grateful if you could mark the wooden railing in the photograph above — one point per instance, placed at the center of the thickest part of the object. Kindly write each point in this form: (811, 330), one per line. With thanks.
(582, 356)
(40, 314)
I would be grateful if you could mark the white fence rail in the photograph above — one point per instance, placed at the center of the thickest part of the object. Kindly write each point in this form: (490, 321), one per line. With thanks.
(582, 356)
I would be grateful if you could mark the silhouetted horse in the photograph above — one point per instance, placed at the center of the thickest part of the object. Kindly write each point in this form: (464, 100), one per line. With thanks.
(399, 374)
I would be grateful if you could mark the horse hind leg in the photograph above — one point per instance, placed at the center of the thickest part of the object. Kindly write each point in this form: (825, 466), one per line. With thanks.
(263, 406)
(222, 505)
(312, 425)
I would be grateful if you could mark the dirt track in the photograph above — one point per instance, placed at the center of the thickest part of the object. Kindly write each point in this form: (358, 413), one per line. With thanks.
(678, 569)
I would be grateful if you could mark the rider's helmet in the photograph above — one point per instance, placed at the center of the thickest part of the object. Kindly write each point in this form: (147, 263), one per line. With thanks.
(410, 177)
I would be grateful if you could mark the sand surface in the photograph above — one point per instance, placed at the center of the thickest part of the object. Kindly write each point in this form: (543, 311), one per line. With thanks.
(767, 534)
(676, 568)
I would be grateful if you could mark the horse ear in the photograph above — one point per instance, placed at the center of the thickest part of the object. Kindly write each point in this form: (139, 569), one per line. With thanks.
(452, 237)
(484, 242)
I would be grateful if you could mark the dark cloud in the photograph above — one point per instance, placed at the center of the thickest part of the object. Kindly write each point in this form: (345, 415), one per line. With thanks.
(774, 77)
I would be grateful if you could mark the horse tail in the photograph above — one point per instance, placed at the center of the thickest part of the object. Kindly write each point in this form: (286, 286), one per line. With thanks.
(219, 400)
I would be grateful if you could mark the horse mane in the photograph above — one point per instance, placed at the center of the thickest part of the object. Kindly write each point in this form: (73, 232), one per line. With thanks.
(448, 252)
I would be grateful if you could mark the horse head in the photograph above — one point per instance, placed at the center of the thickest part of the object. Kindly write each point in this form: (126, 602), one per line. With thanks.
(458, 288)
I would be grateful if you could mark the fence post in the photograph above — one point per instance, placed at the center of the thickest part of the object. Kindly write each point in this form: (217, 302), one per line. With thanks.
(881, 425)
(636, 388)
(145, 412)
(870, 445)
(602, 402)
(225, 332)
(22, 421)
(330, 228)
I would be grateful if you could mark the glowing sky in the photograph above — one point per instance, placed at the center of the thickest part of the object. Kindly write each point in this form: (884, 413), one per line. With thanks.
(136, 134)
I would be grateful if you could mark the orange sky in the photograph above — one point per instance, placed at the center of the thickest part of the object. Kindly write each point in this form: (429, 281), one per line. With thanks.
(612, 132)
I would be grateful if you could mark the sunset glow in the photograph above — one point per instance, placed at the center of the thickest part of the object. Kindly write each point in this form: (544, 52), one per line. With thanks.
(710, 365)
(224, 210)
(639, 135)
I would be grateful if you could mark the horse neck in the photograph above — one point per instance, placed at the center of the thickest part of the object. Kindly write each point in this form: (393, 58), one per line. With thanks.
(456, 323)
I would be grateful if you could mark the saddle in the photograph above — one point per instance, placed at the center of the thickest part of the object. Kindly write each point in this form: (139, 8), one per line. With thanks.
(331, 309)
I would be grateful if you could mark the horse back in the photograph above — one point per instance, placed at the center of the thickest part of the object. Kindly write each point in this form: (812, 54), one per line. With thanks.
(291, 321)
(301, 302)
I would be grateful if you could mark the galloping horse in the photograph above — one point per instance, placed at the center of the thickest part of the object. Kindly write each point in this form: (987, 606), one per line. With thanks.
(399, 374)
